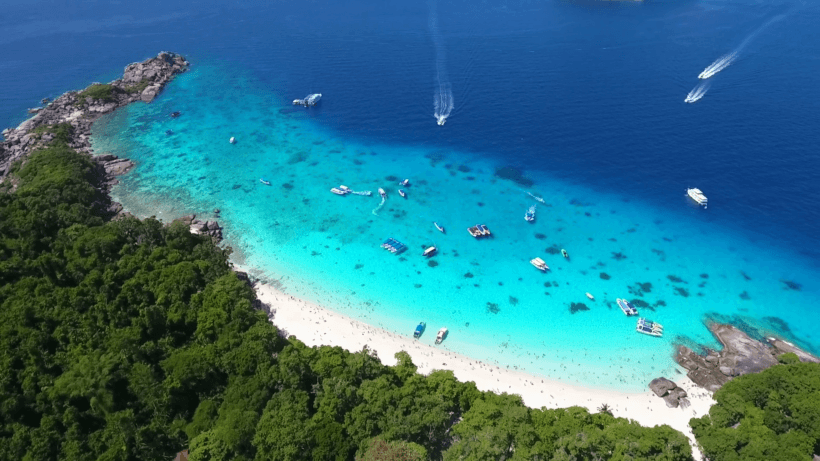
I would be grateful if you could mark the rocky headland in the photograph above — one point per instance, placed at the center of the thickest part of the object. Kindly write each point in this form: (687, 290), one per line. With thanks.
(75, 111)
(741, 355)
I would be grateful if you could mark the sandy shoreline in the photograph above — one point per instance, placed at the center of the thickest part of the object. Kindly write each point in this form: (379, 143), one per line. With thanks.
(315, 326)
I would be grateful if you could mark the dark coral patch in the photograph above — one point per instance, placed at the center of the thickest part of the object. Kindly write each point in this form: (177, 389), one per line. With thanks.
(683, 292)
(617, 256)
(704, 276)
(513, 300)
(745, 296)
(493, 308)
(359, 266)
(553, 250)
(468, 275)
(432, 263)
(417, 285)
(745, 275)
(540, 236)
(605, 276)
(660, 303)
(577, 307)
(287, 185)
(391, 178)
(675, 279)
(513, 174)
(464, 169)
(792, 285)
(640, 303)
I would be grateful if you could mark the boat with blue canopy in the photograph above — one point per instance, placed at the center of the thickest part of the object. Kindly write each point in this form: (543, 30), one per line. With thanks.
(419, 330)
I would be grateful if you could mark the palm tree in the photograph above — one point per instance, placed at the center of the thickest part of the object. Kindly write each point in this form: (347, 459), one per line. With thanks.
(604, 408)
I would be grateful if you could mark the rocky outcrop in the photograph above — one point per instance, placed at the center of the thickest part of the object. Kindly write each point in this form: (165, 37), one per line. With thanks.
(669, 392)
(740, 355)
(140, 81)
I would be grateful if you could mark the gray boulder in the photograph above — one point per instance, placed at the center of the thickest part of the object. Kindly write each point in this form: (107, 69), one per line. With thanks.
(661, 386)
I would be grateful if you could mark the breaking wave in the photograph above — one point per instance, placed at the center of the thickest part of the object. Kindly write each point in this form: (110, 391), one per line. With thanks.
(443, 97)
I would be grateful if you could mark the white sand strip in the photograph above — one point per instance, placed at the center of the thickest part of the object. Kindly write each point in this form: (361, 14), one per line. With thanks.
(316, 326)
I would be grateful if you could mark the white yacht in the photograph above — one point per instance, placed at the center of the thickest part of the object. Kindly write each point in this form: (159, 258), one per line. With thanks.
(382, 193)
(696, 195)
(539, 264)
(310, 100)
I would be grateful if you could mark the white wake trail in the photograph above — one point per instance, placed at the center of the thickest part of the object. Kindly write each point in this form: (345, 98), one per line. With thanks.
(443, 97)
(727, 60)
(697, 92)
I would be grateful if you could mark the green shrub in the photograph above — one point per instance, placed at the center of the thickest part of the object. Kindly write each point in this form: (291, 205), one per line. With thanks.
(98, 92)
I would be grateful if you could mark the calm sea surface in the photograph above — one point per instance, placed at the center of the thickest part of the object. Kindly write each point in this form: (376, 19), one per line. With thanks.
(584, 99)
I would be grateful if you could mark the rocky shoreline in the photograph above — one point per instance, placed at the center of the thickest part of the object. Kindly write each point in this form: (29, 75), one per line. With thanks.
(78, 110)
(741, 355)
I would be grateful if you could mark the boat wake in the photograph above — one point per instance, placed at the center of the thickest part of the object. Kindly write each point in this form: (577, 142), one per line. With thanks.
(443, 96)
(727, 60)
(536, 198)
(376, 210)
(697, 92)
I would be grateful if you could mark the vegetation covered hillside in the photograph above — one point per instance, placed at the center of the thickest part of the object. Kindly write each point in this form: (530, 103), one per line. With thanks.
(774, 414)
(131, 340)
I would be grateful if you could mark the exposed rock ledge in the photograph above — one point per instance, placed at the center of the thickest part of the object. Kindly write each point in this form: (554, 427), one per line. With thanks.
(740, 355)
(140, 81)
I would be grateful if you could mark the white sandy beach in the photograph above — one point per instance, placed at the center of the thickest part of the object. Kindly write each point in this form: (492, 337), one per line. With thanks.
(317, 326)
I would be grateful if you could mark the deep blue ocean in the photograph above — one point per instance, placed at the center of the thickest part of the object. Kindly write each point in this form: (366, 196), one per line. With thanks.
(585, 99)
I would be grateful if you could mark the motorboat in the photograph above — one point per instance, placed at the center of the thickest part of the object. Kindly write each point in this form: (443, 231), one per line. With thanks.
(402, 193)
(175, 114)
(345, 189)
(626, 307)
(530, 215)
(564, 253)
(338, 191)
(405, 183)
(479, 230)
(419, 330)
(649, 328)
(232, 140)
(440, 120)
(309, 101)
(264, 181)
(484, 229)
(430, 251)
(539, 263)
(696, 195)
(440, 229)
(650, 324)
(589, 295)
(382, 193)
(441, 335)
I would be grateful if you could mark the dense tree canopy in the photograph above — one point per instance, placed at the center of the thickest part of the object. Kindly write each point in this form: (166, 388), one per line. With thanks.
(774, 414)
(131, 340)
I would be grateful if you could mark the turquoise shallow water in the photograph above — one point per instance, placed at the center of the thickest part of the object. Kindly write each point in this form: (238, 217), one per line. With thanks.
(325, 248)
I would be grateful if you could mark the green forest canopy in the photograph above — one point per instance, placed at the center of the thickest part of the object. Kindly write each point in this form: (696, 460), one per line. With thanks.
(129, 340)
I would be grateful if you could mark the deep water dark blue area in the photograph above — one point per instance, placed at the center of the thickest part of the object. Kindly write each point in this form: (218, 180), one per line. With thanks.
(589, 91)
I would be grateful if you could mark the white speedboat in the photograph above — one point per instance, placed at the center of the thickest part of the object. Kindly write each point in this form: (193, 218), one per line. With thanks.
(402, 193)
(405, 182)
(338, 191)
(589, 295)
(696, 195)
(232, 140)
(440, 120)
(441, 229)
(265, 182)
(530, 215)
(430, 251)
(441, 335)
(382, 193)
(649, 328)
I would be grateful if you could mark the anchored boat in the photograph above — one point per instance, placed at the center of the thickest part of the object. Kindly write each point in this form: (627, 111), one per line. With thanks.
(430, 251)
(263, 181)
(626, 307)
(405, 183)
(564, 253)
(649, 328)
(382, 193)
(441, 229)
(479, 230)
(419, 330)
(394, 246)
(696, 195)
(402, 193)
(441, 335)
(539, 263)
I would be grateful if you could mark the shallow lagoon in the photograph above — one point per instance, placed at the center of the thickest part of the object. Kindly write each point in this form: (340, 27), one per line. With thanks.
(326, 248)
